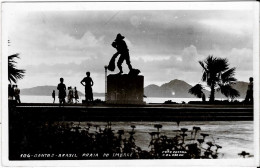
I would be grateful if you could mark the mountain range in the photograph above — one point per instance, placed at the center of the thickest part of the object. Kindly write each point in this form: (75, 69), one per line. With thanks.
(173, 89)
(179, 89)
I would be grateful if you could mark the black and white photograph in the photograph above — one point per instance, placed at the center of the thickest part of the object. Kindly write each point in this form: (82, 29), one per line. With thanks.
(151, 81)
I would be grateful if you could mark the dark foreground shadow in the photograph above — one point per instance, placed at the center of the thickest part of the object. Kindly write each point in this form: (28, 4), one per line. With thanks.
(60, 140)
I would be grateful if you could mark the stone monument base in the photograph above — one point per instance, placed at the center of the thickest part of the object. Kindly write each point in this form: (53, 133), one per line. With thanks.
(125, 89)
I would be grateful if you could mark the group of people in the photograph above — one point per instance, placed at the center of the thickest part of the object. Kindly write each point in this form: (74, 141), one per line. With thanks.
(87, 82)
(72, 94)
(14, 93)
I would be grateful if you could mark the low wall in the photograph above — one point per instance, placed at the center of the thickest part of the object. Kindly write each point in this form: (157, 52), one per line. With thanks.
(81, 113)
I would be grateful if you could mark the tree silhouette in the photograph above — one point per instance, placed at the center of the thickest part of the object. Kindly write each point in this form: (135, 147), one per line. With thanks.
(196, 90)
(14, 74)
(218, 75)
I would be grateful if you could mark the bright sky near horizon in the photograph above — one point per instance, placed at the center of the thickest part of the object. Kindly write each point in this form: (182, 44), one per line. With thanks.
(163, 44)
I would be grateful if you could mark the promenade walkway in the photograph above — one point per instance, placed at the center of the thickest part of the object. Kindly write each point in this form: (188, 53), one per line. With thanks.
(152, 112)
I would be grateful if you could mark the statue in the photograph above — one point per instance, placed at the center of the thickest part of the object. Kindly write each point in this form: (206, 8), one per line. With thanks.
(120, 45)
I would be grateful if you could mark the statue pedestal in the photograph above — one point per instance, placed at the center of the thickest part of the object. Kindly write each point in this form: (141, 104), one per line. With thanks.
(125, 89)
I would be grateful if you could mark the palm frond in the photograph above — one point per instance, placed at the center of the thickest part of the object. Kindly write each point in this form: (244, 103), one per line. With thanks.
(221, 64)
(14, 74)
(228, 76)
(202, 65)
(228, 91)
(204, 77)
(196, 90)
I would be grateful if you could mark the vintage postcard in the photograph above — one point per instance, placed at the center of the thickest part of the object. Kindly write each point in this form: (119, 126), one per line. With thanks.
(130, 83)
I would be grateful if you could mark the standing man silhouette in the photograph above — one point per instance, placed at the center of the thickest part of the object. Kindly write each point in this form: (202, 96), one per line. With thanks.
(88, 87)
(122, 49)
(62, 91)
(249, 93)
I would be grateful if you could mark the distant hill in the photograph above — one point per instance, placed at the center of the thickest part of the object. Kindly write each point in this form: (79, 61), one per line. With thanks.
(175, 88)
(47, 91)
(179, 89)
(242, 88)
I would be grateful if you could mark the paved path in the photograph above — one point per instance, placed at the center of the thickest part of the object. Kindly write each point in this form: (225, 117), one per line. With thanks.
(156, 112)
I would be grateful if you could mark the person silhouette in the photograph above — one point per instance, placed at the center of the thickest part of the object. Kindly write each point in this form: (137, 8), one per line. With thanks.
(10, 92)
(76, 95)
(88, 83)
(249, 93)
(122, 49)
(53, 96)
(62, 91)
(70, 95)
(17, 94)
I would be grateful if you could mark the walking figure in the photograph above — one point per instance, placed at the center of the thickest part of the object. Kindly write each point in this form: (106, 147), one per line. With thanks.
(88, 83)
(62, 91)
(53, 96)
(249, 93)
(122, 49)
(76, 95)
(17, 94)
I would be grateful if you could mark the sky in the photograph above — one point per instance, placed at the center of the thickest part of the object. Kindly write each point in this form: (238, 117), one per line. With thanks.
(163, 44)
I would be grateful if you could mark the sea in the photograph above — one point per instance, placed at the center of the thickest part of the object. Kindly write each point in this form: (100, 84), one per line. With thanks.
(233, 136)
(49, 99)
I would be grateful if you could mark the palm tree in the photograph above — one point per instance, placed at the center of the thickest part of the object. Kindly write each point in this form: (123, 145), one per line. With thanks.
(196, 90)
(14, 74)
(228, 91)
(218, 75)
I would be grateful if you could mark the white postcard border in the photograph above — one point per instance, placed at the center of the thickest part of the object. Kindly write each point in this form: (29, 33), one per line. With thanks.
(131, 6)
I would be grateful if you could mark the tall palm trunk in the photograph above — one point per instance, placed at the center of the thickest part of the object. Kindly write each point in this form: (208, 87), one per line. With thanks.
(212, 93)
